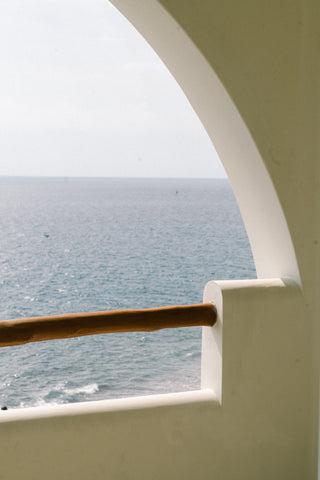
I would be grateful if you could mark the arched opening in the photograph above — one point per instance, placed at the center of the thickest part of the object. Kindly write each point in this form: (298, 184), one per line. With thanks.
(185, 221)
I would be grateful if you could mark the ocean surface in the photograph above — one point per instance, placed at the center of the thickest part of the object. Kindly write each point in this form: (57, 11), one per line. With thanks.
(80, 245)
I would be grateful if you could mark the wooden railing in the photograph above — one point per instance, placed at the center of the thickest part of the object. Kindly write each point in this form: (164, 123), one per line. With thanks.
(37, 329)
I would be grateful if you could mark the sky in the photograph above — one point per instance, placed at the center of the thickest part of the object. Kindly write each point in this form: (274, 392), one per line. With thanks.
(83, 94)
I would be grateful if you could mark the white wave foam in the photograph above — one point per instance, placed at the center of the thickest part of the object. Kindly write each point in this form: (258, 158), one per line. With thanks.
(92, 388)
(44, 398)
(42, 403)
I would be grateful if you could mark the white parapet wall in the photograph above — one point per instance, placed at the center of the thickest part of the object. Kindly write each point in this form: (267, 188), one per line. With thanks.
(257, 359)
(252, 420)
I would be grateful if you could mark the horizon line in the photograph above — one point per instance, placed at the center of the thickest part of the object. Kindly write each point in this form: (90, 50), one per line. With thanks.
(111, 177)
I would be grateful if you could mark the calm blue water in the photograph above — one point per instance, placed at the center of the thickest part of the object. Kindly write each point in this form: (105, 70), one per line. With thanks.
(76, 245)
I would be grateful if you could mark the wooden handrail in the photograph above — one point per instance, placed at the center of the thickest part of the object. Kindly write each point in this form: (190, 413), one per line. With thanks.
(38, 329)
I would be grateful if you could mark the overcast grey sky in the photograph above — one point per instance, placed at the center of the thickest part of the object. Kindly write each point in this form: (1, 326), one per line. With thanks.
(83, 94)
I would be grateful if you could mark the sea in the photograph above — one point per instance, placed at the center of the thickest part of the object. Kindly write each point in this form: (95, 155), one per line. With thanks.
(93, 244)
